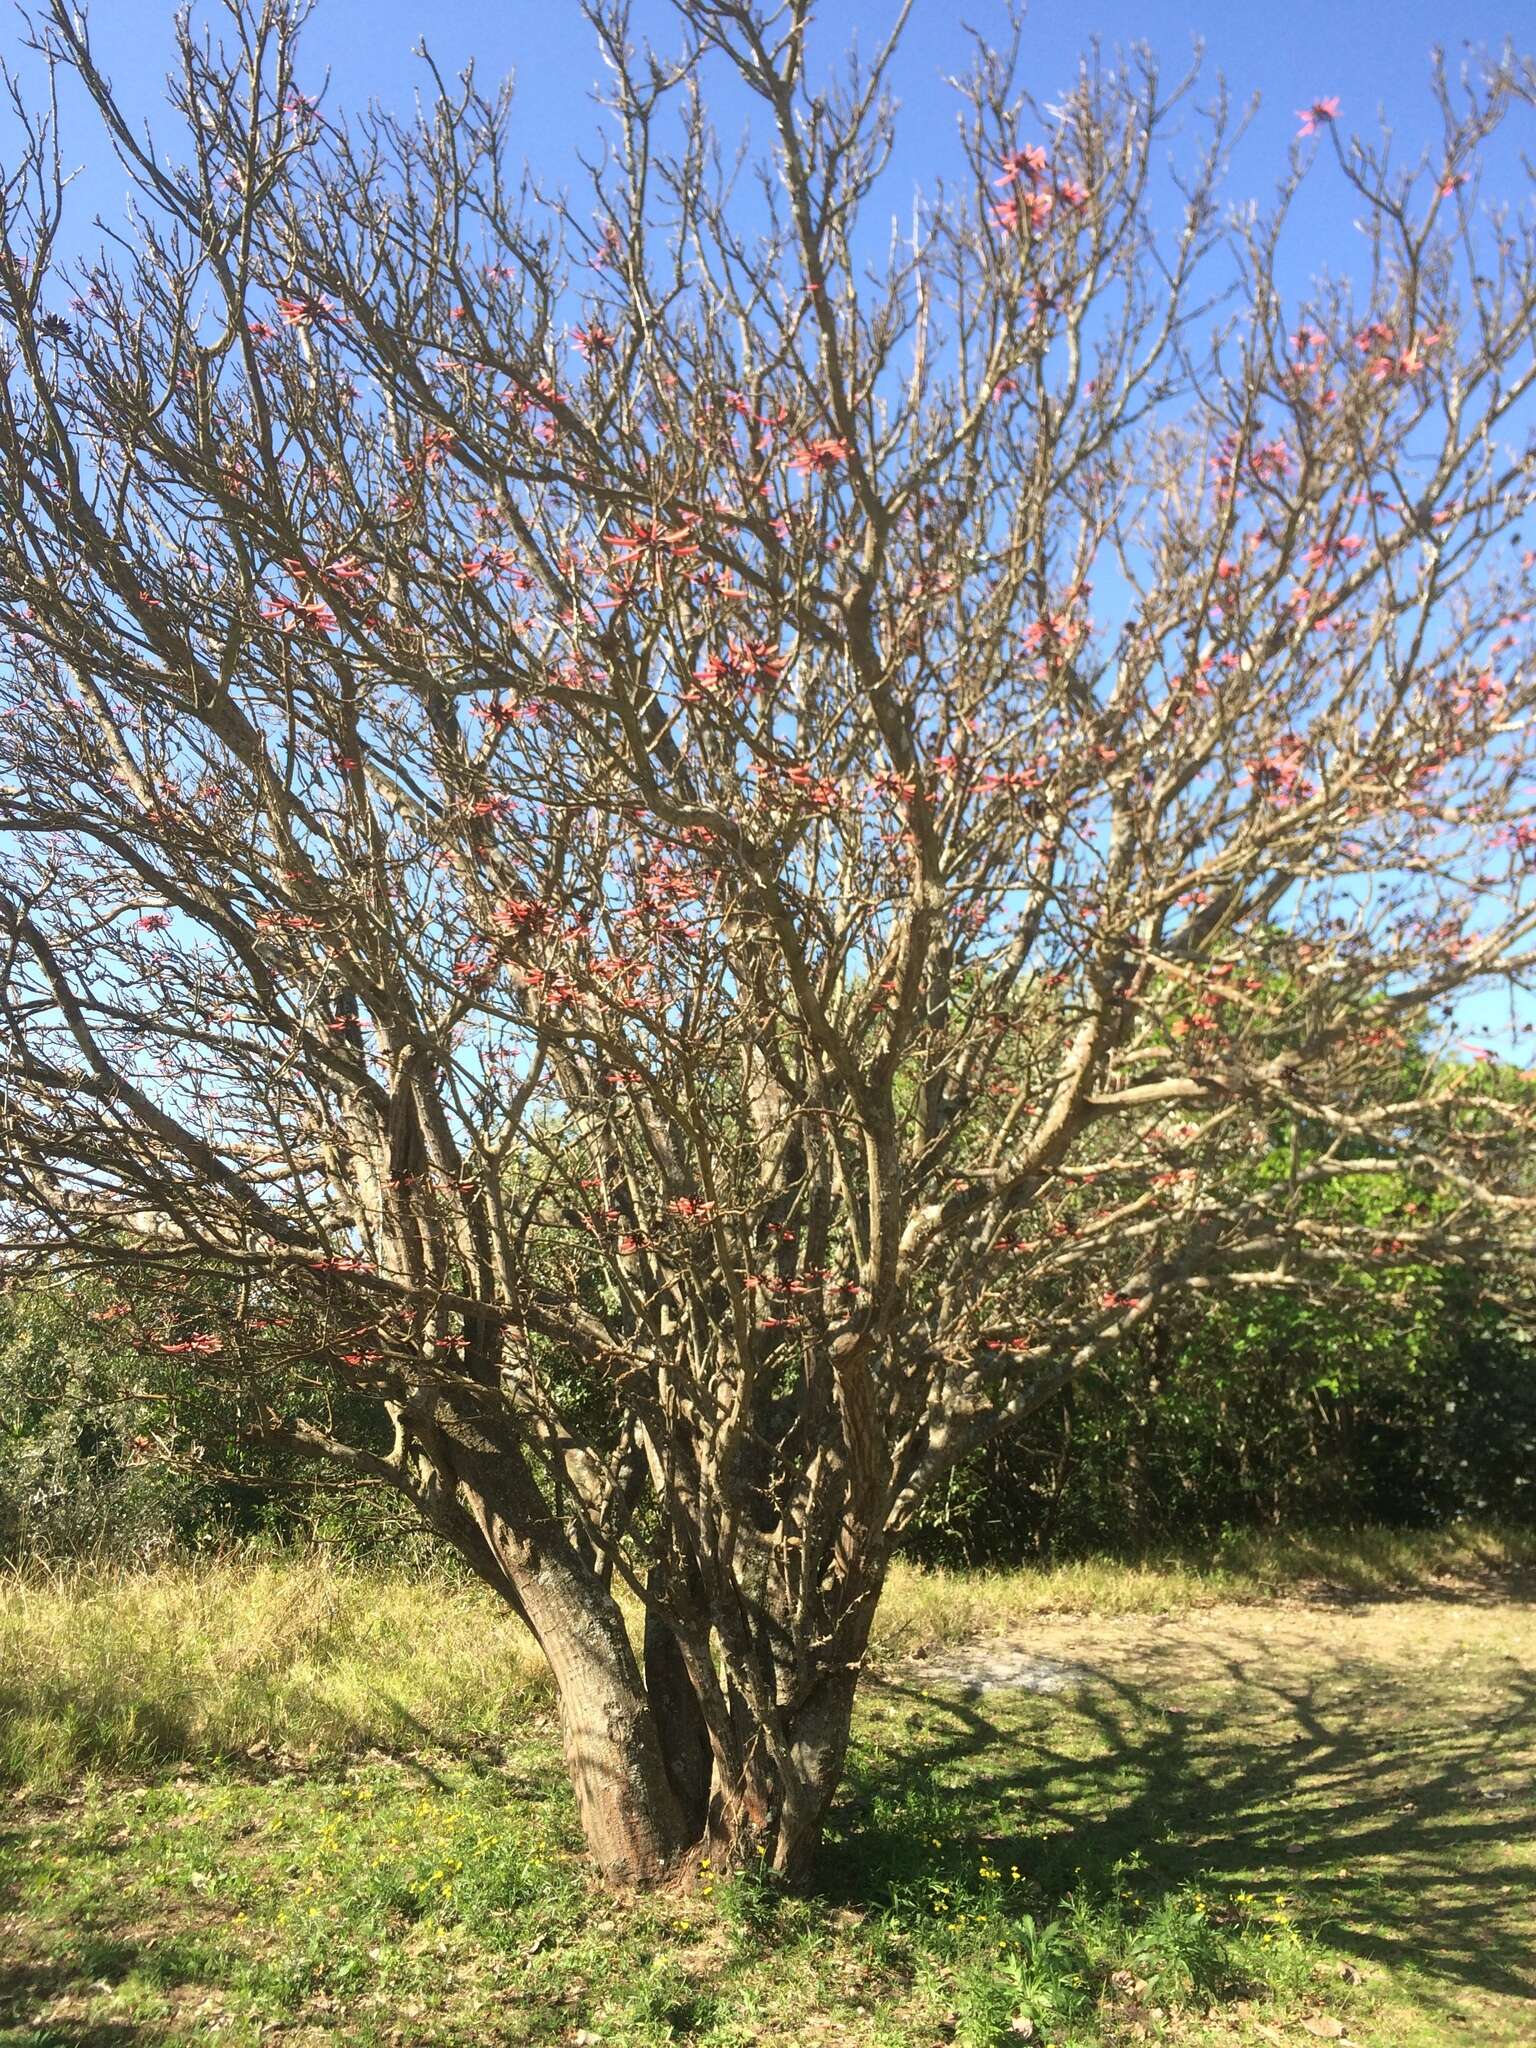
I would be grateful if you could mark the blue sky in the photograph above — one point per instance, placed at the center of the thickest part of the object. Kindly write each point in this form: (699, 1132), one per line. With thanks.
(1373, 55)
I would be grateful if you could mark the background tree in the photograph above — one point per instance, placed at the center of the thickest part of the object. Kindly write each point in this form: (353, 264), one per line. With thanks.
(121, 1444)
(1390, 1394)
(712, 830)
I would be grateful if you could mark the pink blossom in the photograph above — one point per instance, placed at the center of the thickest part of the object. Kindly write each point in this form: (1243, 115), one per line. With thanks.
(819, 458)
(592, 341)
(290, 614)
(303, 311)
(1319, 112)
(1030, 160)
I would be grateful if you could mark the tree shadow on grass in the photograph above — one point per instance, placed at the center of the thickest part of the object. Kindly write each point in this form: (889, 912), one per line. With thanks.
(1394, 1809)
(29, 1985)
(49, 1962)
(29, 1981)
(1381, 1816)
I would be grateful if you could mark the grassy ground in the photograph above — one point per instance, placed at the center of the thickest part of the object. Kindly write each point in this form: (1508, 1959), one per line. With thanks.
(291, 1803)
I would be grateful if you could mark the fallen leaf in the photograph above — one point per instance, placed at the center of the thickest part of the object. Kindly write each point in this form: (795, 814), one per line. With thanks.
(1325, 2029)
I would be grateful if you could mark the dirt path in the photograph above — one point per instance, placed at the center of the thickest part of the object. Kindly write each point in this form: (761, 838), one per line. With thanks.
(1223, 1644)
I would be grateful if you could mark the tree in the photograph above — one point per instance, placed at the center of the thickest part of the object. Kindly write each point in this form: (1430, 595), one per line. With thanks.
(565, 804)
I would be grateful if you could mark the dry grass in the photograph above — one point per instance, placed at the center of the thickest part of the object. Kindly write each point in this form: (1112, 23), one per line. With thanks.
(109, 1669)
(926, 1610)
(125, 1669)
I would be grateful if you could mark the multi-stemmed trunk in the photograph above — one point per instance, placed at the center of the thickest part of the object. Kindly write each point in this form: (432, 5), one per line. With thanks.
(652, 1789)
(706, 1743)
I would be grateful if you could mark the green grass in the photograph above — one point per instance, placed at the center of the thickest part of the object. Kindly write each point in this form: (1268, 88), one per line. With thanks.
(1246, 1824)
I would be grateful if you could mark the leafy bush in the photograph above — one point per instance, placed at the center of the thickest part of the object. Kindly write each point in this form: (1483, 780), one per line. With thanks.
(122, 1452)
(70, 1480)
(1406, 1408)
(1401, 1399)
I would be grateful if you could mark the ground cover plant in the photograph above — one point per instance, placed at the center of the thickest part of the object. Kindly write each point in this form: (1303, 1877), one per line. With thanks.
(1280, 1817)
(663, 860)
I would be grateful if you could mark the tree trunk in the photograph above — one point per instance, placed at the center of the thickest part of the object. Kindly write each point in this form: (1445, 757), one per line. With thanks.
(819, 1752)
(630, 1815)
(680, 1724)
(767, 1814)
(655, 1775)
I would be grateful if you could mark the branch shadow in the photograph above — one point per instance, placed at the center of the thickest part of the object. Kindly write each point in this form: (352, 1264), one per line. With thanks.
(29, 1984)
(1281, 1782)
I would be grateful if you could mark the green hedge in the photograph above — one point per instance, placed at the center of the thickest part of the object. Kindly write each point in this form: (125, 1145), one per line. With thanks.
(1404, 1401)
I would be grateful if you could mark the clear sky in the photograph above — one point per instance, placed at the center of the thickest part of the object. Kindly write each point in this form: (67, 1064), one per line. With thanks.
(1373, 54)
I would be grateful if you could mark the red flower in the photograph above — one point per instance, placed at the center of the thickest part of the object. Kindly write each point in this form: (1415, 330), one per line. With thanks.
(819, 458)
(1030, 160)
(289, 614)
(435, 443)
(644, 539)
(345, 573)
(744, 664)
(1278, 774)
(1035, 207)
(521, 915)
(1311, 117)
(304, 311)
(592, 341)
(1056, 634)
